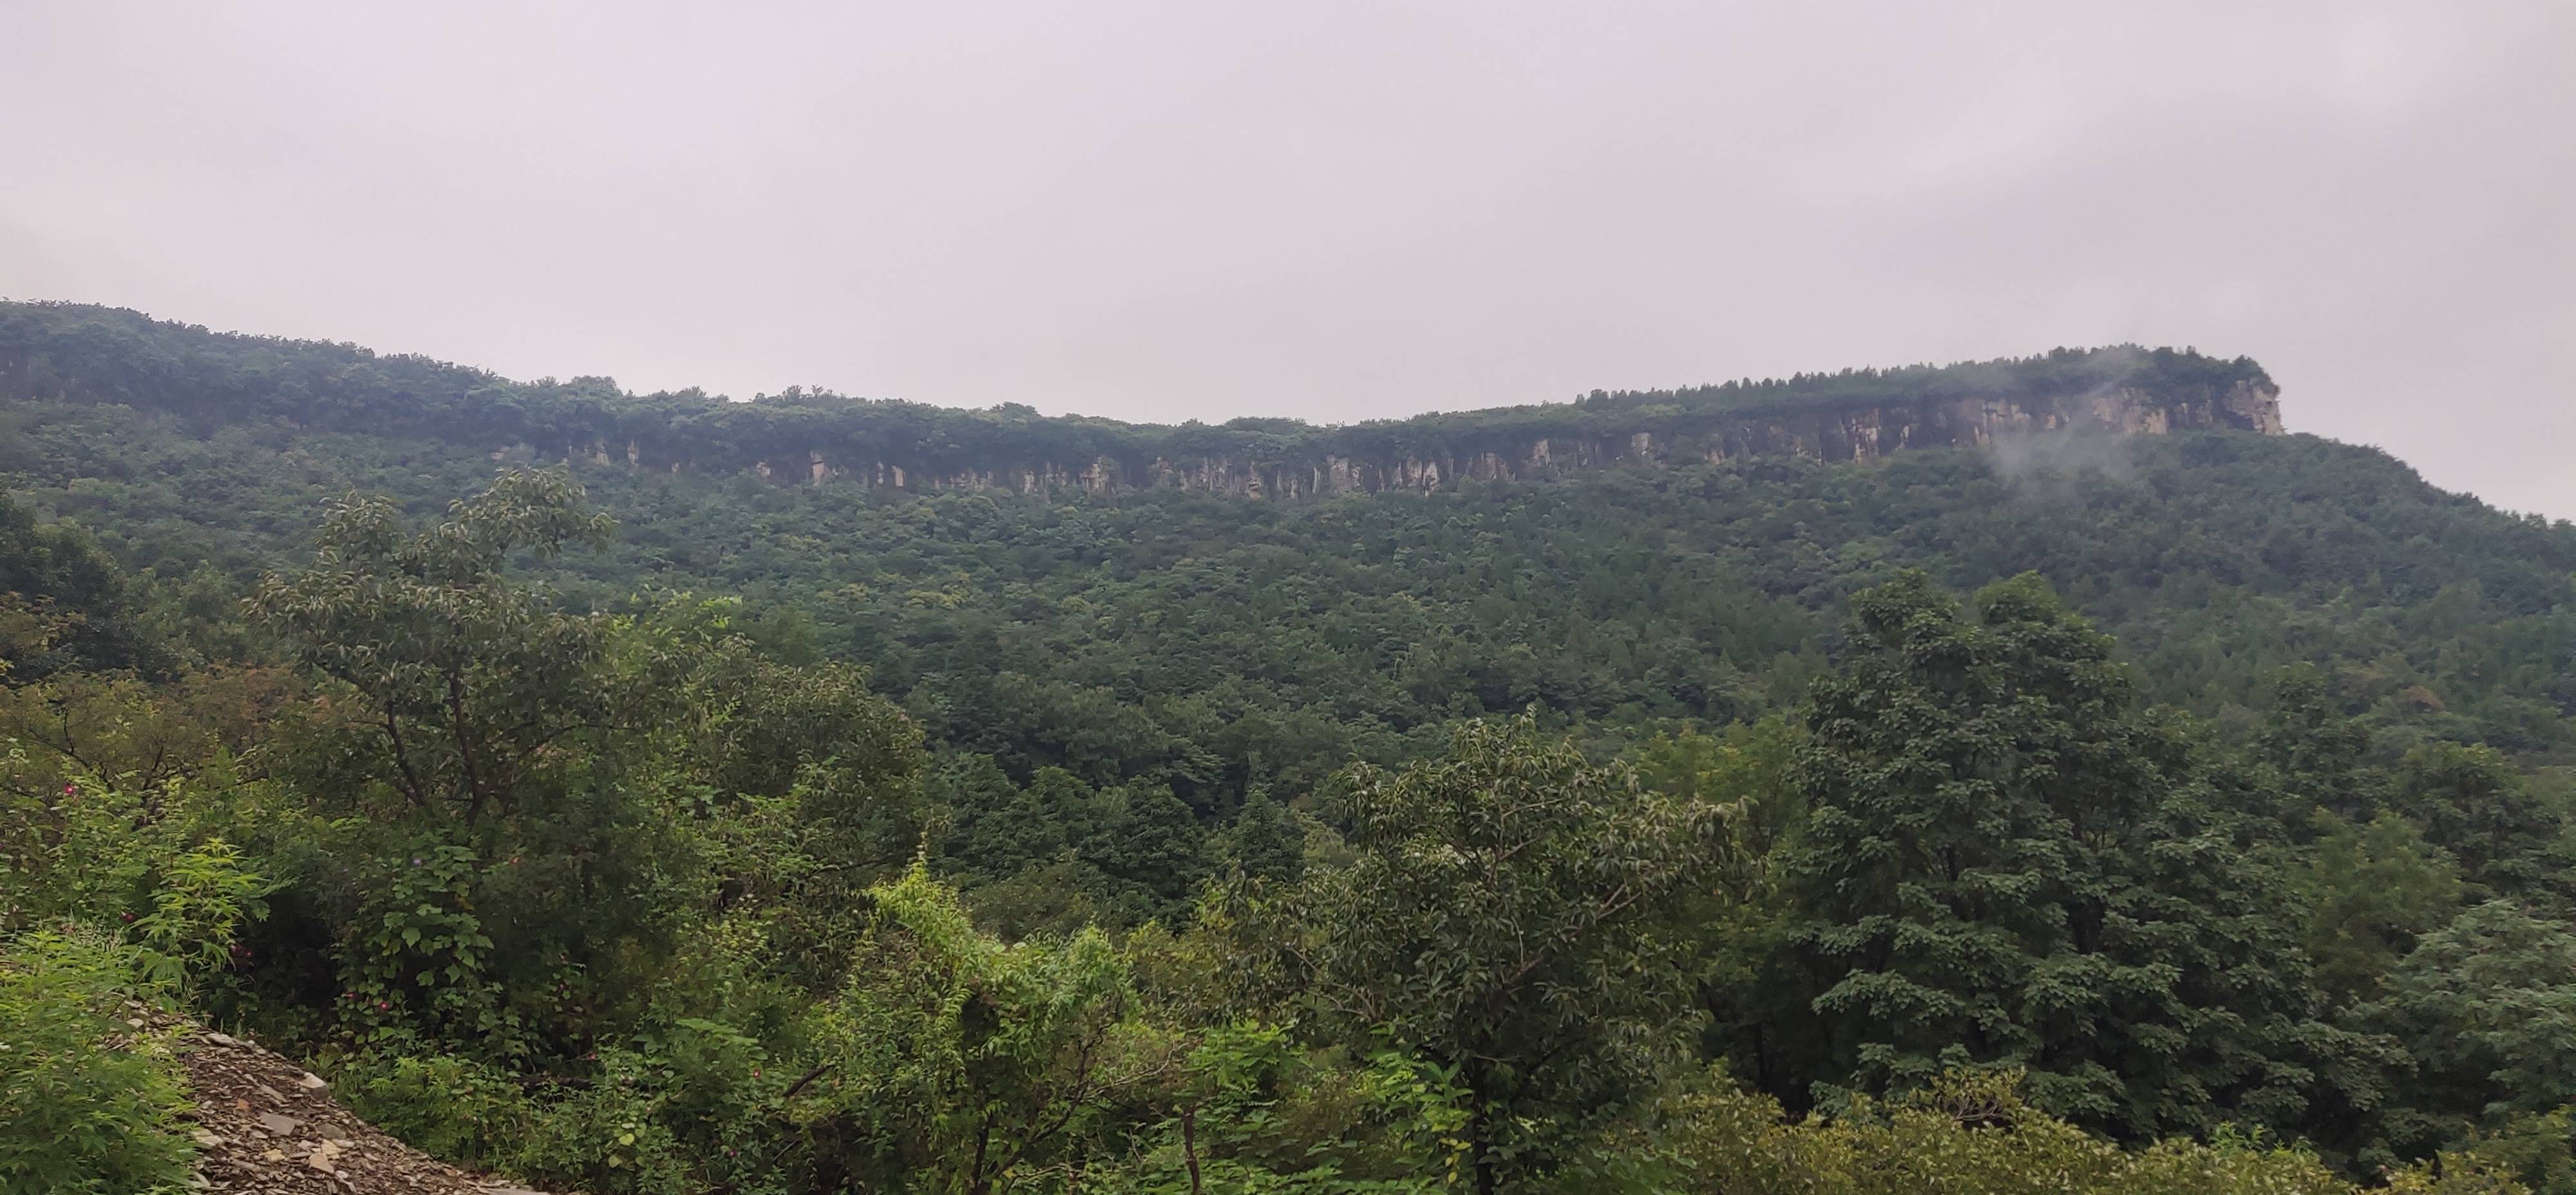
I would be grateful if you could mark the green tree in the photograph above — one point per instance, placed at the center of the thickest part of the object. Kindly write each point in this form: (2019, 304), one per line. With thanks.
(1506, 913)
(1145, 837)
(58, 571)
(2005, 865)
(2487, 1007)
(461, 680)
(2472, 802)
(492, 742)
(1752, 983)
(1266, 842)
(2371, 889)
(2308, 756)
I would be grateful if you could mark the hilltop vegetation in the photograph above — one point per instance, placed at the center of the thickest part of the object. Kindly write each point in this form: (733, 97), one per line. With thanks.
(203, 381)
(2169, 814)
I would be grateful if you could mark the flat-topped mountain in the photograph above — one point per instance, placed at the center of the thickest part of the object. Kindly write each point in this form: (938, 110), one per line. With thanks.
(176, 371)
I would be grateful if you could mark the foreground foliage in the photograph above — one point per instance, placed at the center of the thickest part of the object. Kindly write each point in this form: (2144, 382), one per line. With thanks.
(89, 1093)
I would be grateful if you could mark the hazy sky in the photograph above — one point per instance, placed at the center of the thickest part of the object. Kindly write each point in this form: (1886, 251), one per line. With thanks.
(1340, 211)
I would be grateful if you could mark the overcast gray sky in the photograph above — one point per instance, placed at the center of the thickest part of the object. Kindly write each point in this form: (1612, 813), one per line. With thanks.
(1337, 210)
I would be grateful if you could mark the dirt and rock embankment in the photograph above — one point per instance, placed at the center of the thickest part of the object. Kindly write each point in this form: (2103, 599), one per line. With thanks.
(265, 1124)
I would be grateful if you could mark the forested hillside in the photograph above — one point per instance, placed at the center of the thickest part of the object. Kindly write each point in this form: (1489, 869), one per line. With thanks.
(2120, 797)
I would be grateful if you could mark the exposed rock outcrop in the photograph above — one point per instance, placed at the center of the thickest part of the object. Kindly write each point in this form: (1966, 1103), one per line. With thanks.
(1824, 433)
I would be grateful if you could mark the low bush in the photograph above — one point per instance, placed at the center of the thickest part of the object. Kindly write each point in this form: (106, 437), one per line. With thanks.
(89, 1093)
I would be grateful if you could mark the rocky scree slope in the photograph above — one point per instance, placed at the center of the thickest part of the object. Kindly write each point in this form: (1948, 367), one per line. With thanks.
(265, 1124)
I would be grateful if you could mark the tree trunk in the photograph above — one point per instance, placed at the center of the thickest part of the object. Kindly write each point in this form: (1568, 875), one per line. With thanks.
(1481, 1153)
(1190, 1148)
(977, 1183)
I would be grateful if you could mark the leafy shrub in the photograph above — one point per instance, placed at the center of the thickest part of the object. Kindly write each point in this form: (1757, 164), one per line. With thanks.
(2538, 1148)
(207, 894)
(1972, 1133)
(674, 1116)
(89, 1103)
(467, 1112)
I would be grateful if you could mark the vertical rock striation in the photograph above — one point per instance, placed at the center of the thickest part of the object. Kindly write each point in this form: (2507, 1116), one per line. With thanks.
(1846, 433)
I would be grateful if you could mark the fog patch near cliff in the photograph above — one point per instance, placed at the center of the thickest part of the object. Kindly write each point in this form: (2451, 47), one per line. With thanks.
(2056, 463)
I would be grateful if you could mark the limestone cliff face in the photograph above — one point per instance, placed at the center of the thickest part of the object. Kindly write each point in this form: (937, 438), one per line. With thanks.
(1846, 434)
(69, 353)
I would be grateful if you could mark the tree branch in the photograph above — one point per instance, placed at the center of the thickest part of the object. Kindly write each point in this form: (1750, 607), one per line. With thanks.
(402, 759)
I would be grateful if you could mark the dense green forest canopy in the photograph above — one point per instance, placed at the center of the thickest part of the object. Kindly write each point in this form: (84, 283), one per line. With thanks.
(2155, 814)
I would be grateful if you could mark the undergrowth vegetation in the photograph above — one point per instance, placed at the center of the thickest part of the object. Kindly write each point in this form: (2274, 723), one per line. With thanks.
(90, 1097)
